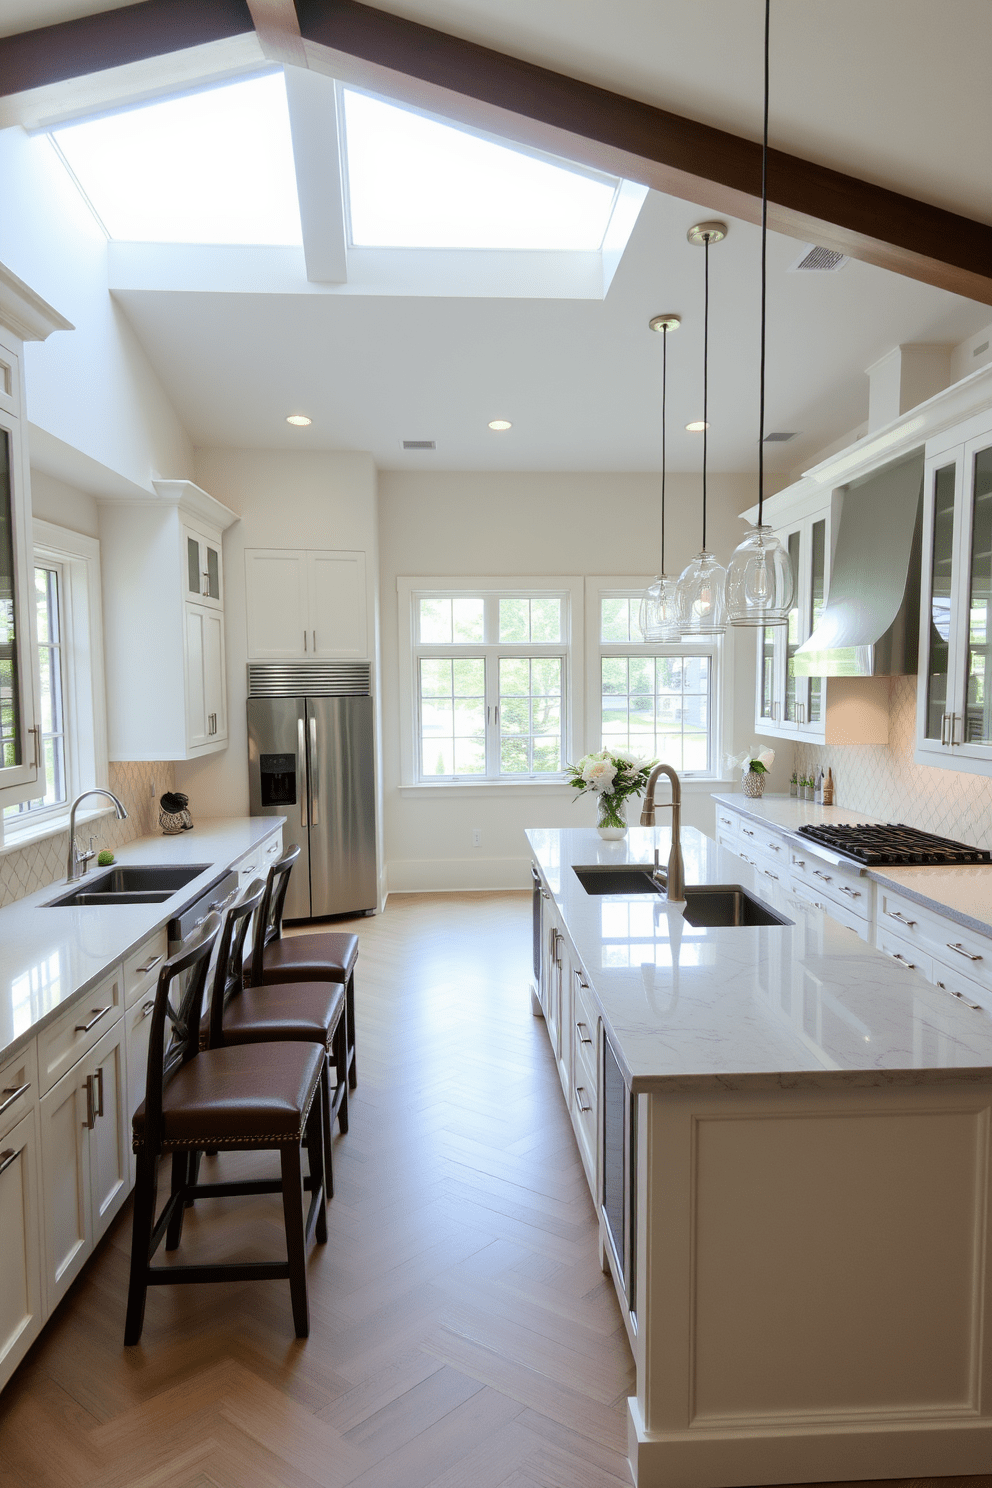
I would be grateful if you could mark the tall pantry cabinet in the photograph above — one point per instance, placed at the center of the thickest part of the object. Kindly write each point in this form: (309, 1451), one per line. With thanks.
(163, 588)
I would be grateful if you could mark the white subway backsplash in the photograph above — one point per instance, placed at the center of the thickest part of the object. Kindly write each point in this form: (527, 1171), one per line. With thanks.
(883, 780)
(37, 864)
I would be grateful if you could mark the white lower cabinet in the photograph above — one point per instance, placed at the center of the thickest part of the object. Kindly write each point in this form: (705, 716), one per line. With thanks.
(85, 1166)
(22, 1311)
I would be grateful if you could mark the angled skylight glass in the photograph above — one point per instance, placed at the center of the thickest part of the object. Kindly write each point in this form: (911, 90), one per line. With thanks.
(414, 182)
(210, 167)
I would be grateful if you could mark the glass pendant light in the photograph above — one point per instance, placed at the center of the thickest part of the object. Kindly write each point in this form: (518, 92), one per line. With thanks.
(760, 581)
(658, 616)
(701, 587)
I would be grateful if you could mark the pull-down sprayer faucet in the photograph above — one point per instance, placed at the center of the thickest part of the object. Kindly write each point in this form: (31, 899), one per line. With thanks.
(676, 868)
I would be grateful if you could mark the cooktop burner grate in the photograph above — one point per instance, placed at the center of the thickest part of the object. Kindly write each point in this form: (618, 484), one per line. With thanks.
(893, 844)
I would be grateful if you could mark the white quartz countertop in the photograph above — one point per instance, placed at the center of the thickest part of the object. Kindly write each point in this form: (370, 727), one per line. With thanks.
(758, 1008)
(963, 894)
(50, 956)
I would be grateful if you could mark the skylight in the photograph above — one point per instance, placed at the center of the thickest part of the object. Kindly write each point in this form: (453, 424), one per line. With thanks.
(211, 167)
(416, 183)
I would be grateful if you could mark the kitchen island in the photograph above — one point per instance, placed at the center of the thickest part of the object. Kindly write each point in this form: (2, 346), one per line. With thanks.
(787, 1139)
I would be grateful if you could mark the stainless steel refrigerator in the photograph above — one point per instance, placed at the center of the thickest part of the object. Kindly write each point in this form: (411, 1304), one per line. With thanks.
(311, 759)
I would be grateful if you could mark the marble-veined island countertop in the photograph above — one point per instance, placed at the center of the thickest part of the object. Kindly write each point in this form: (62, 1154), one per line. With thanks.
(748, 1008)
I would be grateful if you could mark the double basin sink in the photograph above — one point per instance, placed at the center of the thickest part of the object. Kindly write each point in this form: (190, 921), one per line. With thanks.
(705, 904)
(131, 884)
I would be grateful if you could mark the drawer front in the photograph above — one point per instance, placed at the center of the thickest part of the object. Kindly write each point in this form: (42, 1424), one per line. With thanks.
(764, 840)
(248, 869)
(584, 1105)
(908, 956)
(142, 967)
(969, 954)
(728, 824)
(838, 912)
(950, 979)
(839, 885)
(78, 1029)
(585, 1021)
(18, 1086)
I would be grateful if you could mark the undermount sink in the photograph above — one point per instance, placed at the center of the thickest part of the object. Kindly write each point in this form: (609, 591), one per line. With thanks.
(618, 878)
(727, 904)
(706, 905)
(130, 884)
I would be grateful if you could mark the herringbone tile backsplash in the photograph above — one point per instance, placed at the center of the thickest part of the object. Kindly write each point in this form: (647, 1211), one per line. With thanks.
(883, 780)
(25, 869)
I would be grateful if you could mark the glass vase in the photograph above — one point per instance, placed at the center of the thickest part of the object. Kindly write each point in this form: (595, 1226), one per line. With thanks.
(611, 817)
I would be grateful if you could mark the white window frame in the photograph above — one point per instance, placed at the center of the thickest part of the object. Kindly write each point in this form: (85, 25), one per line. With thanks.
(410, 590)
(84, 691)
(618, 586)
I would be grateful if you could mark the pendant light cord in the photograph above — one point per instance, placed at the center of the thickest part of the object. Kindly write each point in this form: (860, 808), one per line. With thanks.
(706, 365)
(664, 420)
(764, 274)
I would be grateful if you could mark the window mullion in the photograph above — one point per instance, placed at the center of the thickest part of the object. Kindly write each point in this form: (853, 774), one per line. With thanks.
(492, 711)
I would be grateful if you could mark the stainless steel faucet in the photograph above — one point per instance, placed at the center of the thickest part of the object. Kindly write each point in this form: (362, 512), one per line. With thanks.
(77, 862)
(676, 867)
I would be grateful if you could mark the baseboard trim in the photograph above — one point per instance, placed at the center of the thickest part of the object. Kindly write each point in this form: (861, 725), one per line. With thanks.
(455, 875)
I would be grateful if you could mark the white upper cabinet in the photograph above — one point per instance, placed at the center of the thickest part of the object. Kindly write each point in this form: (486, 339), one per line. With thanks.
(954, 705)
(305, 605)
(786, 705)
(23, 316)
(166, 674)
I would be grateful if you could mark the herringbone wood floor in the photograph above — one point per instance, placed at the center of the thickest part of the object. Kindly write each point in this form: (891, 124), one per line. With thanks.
(462, 1336)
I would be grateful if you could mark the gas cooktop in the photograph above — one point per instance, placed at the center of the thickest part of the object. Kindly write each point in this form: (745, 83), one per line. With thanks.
(893, 844)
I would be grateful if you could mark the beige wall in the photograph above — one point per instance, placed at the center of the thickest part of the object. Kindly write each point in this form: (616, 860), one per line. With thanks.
(476, 524)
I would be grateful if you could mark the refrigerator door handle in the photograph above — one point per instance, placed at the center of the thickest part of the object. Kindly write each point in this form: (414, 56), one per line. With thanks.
(303, 772)
(314, 775)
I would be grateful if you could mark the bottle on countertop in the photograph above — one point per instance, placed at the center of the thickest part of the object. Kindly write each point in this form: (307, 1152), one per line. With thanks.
(828, 788)
(818, 786)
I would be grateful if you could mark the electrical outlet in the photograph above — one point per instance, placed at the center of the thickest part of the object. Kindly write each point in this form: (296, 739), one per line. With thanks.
(476, 836)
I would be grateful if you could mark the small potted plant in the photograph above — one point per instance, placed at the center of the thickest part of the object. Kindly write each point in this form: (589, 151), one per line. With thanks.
(754, 765)
(808, 788)
(614, 775)
(794, 784)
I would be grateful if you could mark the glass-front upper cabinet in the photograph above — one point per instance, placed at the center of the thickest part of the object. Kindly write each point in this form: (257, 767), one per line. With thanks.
(791, 706)
(202, 566)
(19, 734)
(954, 708)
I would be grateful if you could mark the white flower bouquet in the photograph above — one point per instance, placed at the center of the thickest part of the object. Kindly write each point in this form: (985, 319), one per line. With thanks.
(758, 760)
(613, 775)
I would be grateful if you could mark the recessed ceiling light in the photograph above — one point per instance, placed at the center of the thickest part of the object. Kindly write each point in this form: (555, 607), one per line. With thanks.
(697, 426)
(500, 424)
(299, 419)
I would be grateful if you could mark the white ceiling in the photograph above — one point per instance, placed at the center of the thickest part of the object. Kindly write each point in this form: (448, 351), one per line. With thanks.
(874, 88)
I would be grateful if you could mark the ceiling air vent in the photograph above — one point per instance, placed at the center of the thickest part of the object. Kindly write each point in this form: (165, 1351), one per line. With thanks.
(818, 261)
(781, 436)
(419, 444)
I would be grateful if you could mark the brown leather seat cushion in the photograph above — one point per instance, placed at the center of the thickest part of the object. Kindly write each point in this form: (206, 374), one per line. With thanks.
(240, 1096)
(328, 956)
(307, 1012)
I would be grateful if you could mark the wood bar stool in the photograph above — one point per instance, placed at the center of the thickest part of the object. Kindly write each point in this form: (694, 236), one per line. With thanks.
(324, 956)
(249, 1097)
(294, 1012)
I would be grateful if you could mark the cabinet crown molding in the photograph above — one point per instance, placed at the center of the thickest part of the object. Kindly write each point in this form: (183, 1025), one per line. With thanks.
(26, 313)
(196, 502)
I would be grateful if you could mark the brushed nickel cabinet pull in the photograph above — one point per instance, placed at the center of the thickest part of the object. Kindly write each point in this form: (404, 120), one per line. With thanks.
(153, 962)
(98, 1013)
(769, 874)
(957, 946)
(6, 1158)
(147, 1008)
(894, 914)
(584, 1038)
(747, 831)
(975, 1006)
(99, 1099)
(909, 965)
(90, 1121)
(580, 1091)
(13, 1093)
(851, 893)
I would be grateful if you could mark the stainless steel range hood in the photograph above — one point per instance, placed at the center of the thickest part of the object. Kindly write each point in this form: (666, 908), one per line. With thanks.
(871, 625)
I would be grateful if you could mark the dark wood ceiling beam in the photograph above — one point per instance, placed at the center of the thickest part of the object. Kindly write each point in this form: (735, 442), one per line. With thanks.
(680, 156)
(114, 38)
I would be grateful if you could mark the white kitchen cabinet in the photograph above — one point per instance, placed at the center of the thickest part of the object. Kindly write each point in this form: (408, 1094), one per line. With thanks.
(85, 1165)
(166, 677)
(206, 689)
(306, 605)
(954, 702)
(21, 1296)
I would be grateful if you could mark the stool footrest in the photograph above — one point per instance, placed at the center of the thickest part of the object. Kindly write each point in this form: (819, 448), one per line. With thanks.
(239, 1271)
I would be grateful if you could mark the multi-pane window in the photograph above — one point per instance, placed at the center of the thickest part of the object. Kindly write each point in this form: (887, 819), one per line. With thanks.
(657, 701)
(48, 611)
(491, 684)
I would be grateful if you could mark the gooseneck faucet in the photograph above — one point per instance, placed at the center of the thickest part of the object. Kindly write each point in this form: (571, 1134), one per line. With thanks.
(676, 867)
(77, 862)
